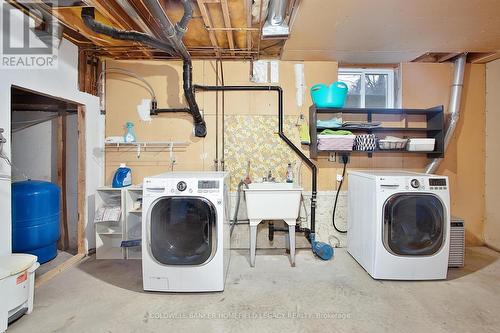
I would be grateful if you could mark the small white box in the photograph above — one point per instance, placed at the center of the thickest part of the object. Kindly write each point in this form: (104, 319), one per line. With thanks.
(421, 144)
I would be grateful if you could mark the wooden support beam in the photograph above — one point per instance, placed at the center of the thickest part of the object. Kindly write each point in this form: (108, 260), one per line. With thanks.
(208, 23)
(227, 24)
(484, 57)
(59, 269)
(447, 57)
(248, 7)
(63, 242)
(261, 24)
(81, 186)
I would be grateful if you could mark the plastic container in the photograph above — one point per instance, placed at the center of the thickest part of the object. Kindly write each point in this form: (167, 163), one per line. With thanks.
(122, 177)
(421, 144)
(332, 96)
(392, 143)
(35, 218)
(17, 285)
(336, 142)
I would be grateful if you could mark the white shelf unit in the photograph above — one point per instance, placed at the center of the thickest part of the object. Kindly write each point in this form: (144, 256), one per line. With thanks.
(109, 235)
(133, 220)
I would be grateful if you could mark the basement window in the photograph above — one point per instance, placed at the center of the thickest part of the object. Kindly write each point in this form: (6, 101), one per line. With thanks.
(368, 87)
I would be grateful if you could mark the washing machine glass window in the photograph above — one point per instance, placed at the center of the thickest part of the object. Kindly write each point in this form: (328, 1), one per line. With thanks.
(414, 224)
(183, 230)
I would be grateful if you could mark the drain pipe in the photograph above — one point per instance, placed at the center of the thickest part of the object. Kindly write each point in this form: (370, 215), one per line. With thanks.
(88, 17)
(173, 46)
(453, 108)
(322, 250)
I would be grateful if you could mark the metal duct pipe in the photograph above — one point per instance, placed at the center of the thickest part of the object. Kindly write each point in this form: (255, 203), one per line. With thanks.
(453, 107)
(170, 33)
(275, 25)
(277, 12)
(52, 32)
(125, 5)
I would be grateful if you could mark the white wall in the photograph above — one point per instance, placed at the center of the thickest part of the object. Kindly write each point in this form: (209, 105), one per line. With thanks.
(60, 83)
(492, 190)
(36, 143)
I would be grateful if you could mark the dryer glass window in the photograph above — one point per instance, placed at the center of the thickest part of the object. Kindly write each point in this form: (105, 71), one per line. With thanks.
(183, 230)
(414, 224)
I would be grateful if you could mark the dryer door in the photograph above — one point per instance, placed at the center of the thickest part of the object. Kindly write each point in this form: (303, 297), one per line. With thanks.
(414, 224)
(182, 230)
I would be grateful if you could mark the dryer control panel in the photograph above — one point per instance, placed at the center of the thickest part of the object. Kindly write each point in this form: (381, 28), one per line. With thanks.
(438, 184)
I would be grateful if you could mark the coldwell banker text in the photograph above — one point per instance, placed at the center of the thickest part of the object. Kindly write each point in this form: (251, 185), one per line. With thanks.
(29, 41)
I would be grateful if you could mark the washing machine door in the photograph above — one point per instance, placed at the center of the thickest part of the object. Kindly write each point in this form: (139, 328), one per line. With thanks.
(414, 224)
(182, 230)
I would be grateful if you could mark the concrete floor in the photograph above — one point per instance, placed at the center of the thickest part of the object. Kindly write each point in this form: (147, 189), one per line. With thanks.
(334, 296)
(61, 257)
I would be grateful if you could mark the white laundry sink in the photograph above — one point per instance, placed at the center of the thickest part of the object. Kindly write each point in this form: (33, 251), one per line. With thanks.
(273, 201)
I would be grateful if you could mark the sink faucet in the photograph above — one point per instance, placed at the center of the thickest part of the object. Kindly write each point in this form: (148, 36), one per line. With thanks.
(269, 177)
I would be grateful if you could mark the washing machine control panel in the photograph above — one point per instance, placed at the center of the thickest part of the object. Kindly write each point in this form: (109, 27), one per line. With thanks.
(181, 186)
(416, 184)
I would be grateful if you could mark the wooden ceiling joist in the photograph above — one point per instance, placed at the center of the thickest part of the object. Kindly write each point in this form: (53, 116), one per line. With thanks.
(483, 57)
(227, 23)
(248, 7)
(219, 28)
(208, 23)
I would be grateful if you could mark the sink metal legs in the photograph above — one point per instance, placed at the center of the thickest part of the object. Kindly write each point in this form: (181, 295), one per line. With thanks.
(290, 241)
(253, 242)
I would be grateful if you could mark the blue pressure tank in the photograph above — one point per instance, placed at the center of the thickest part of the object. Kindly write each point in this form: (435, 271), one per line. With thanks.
(35, 218)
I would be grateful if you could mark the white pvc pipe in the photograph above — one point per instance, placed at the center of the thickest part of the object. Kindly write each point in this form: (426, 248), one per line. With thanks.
(453, 108)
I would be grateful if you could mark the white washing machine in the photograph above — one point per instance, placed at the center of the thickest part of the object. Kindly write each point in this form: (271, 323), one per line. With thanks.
(185, 228)
(399, 224)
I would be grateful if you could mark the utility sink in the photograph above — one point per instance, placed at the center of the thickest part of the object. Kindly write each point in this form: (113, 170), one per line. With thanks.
(273, 201)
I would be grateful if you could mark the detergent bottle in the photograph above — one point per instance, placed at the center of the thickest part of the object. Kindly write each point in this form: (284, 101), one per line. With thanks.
(130, 133)
(122, 177)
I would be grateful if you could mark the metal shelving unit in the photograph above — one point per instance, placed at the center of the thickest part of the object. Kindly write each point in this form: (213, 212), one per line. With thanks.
(434, 127)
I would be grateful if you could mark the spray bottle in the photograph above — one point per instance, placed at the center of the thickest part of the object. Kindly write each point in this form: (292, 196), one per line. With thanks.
(130, 133)
(289, 173)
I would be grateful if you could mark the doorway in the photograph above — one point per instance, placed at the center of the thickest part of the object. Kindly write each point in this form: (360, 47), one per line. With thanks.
(48, 144)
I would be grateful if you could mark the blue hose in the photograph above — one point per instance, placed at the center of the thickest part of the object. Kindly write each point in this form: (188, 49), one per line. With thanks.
(322, 250)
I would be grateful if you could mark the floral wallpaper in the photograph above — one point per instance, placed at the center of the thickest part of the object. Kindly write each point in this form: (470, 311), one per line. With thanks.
(255, 139)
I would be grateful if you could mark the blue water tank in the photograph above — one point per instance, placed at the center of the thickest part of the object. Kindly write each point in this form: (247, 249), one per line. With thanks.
(35, 218)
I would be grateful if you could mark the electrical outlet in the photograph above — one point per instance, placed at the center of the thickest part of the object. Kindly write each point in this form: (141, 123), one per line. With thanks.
(332, 157)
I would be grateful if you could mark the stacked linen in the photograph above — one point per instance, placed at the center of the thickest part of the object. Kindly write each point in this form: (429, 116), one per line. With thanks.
(340, 140)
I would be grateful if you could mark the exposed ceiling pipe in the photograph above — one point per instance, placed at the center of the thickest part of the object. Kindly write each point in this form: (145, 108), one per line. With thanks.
(170, 33)
(51, 32)
(453, 108)
(125, 5)
(172, 44)
(88, 17)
